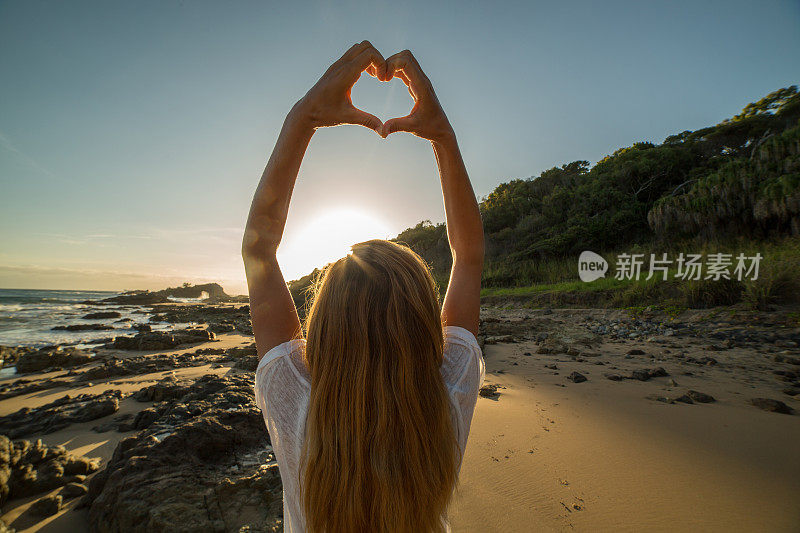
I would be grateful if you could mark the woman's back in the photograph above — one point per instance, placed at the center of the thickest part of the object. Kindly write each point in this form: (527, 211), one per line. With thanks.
(282, 392)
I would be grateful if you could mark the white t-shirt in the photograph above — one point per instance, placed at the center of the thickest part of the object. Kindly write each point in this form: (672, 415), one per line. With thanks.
(282, 387)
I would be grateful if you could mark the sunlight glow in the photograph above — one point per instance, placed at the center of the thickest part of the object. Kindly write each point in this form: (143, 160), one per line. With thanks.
(327, 238)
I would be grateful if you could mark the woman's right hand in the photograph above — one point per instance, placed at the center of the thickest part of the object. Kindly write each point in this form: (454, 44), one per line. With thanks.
(427, 118)
(328, 102)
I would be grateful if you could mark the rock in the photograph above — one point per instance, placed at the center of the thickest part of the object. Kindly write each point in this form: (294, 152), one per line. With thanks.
(577, 377)
(685, 398)
(494, 339)
(120, 423)
(242, 351)
(212, 291)
(489, 391)
(613, 377)
(663, 399)
(51, 356)
(10, 354)
(73, 490)
(700, 397)
(144, 418)
(159, 340)
(791, 391)
(703, 361)
(774, 406)
(83, 327)
(202, 464)
(29, 468)
(24, 386)
(249, 363)
(102, 314)
(658, 372)
(145, 364)
(59, 414)
(162, 391)
(635, 351)
(644, 374)
(222, 328)
(46, 506)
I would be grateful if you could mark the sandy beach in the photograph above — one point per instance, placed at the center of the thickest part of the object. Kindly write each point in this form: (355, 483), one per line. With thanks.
(549, 451)
(552, 455)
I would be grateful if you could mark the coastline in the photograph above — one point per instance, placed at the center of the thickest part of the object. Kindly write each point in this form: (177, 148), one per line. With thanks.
(547, 450)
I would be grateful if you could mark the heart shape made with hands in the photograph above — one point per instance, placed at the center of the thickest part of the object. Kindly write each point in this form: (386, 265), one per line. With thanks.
(330, 100)
(426, 119)
(371, 91)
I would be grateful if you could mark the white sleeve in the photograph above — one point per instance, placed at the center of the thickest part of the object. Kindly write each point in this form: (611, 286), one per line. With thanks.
(463, 371)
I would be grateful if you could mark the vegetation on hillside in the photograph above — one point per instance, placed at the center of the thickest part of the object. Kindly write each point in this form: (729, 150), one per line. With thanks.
(736, 181)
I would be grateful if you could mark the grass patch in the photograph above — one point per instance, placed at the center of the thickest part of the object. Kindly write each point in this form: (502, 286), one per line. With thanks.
(778, 281)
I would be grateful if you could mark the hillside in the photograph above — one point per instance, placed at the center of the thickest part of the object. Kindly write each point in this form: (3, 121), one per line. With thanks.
(736, 181)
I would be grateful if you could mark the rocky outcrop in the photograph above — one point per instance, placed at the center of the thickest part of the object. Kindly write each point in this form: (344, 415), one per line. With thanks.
(30, 468)
(773, 406)
(220, 319)
(10, 354)
(60, 414)
(26, 386)
(200, 463)
(244, 357)
(51, 356)
(160, 340)
(83, 327)
(145, 364)
(214, 292)
(102, 314)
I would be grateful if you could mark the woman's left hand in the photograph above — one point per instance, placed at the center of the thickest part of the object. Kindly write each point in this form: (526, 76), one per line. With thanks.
(328, 102)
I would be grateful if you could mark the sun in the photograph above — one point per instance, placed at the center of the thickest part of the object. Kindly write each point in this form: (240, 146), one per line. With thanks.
(326, 238)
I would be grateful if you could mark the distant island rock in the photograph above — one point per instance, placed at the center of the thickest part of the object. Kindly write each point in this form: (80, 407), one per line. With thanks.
(211, 292)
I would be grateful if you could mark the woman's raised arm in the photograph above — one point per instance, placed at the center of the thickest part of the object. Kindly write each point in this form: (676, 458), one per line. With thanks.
(427, 119)
(328, 103)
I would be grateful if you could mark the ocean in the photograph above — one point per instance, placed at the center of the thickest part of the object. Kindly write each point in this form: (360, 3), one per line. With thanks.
(27, 317)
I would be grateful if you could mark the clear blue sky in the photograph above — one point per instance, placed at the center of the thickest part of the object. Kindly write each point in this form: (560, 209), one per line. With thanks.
(132, 134)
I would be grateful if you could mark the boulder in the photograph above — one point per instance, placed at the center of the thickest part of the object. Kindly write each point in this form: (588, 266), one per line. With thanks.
(577, 377)
(46, 506)
(489, 391)
(102, 314)
(83, 327)
(202, 464)
(51, 356)
(700, 397)
(160, 340)
(59, 414)
(774, 406)
(73, 490)
(10, 354)
(30, 468)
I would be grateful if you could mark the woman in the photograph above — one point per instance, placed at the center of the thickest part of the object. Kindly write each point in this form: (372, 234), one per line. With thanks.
(369, 414)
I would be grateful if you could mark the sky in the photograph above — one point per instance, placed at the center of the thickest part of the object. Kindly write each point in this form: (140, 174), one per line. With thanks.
(133, 134)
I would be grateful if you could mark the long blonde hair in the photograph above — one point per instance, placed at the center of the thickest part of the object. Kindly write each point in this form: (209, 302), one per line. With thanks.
(380, 451)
